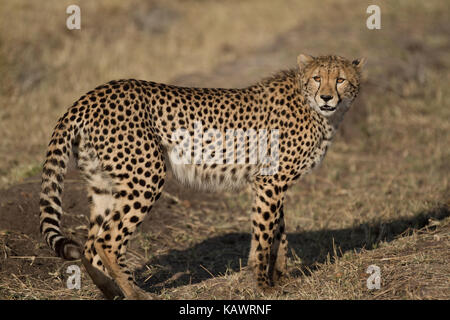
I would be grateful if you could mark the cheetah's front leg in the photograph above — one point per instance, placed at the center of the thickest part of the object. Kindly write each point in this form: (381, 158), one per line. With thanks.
(280, 245)
(267, 234)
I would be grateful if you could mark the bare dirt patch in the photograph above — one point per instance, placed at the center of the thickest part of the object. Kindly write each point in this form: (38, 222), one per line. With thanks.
(195, 239)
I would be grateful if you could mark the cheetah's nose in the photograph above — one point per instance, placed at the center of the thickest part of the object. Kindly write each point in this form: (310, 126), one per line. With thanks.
(326, 98)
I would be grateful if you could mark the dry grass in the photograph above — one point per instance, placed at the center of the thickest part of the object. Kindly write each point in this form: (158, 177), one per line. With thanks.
(387, 172)
(412, 267)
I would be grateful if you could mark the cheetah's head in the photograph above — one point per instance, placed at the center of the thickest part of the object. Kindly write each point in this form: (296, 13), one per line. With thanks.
(330, 82)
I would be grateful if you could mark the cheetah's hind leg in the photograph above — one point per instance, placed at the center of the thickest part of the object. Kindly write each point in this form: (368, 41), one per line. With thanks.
(100, 190)
(134, 194)
(106, 285)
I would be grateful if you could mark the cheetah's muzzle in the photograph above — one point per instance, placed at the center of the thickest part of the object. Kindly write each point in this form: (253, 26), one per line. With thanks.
(327, 108)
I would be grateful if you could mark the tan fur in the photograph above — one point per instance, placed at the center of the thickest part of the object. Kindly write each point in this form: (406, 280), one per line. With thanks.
(122, 134)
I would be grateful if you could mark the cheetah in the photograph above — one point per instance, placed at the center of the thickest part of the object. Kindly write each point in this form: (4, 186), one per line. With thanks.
(122, 136)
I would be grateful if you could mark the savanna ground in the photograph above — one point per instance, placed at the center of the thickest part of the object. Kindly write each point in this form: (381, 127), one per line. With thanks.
(380, 197)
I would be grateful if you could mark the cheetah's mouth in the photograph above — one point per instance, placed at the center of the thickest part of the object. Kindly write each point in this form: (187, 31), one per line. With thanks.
(327, 108)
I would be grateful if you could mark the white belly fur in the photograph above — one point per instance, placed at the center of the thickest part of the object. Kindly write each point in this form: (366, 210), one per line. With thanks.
(197, 177)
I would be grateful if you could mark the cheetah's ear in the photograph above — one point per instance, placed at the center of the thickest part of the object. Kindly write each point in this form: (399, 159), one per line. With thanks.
(304, 59)
(359, 63)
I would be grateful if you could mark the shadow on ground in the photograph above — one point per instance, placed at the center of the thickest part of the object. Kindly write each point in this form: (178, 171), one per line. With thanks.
(218, 255)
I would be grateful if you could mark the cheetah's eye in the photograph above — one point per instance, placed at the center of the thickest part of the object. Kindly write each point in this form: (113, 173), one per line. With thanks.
(316, 78)
(340, 80)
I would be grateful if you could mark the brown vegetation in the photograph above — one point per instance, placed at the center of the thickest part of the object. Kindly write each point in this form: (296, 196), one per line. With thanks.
(380, 197)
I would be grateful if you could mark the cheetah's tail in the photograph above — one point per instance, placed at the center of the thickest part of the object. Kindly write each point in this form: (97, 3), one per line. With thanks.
(54, 170)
